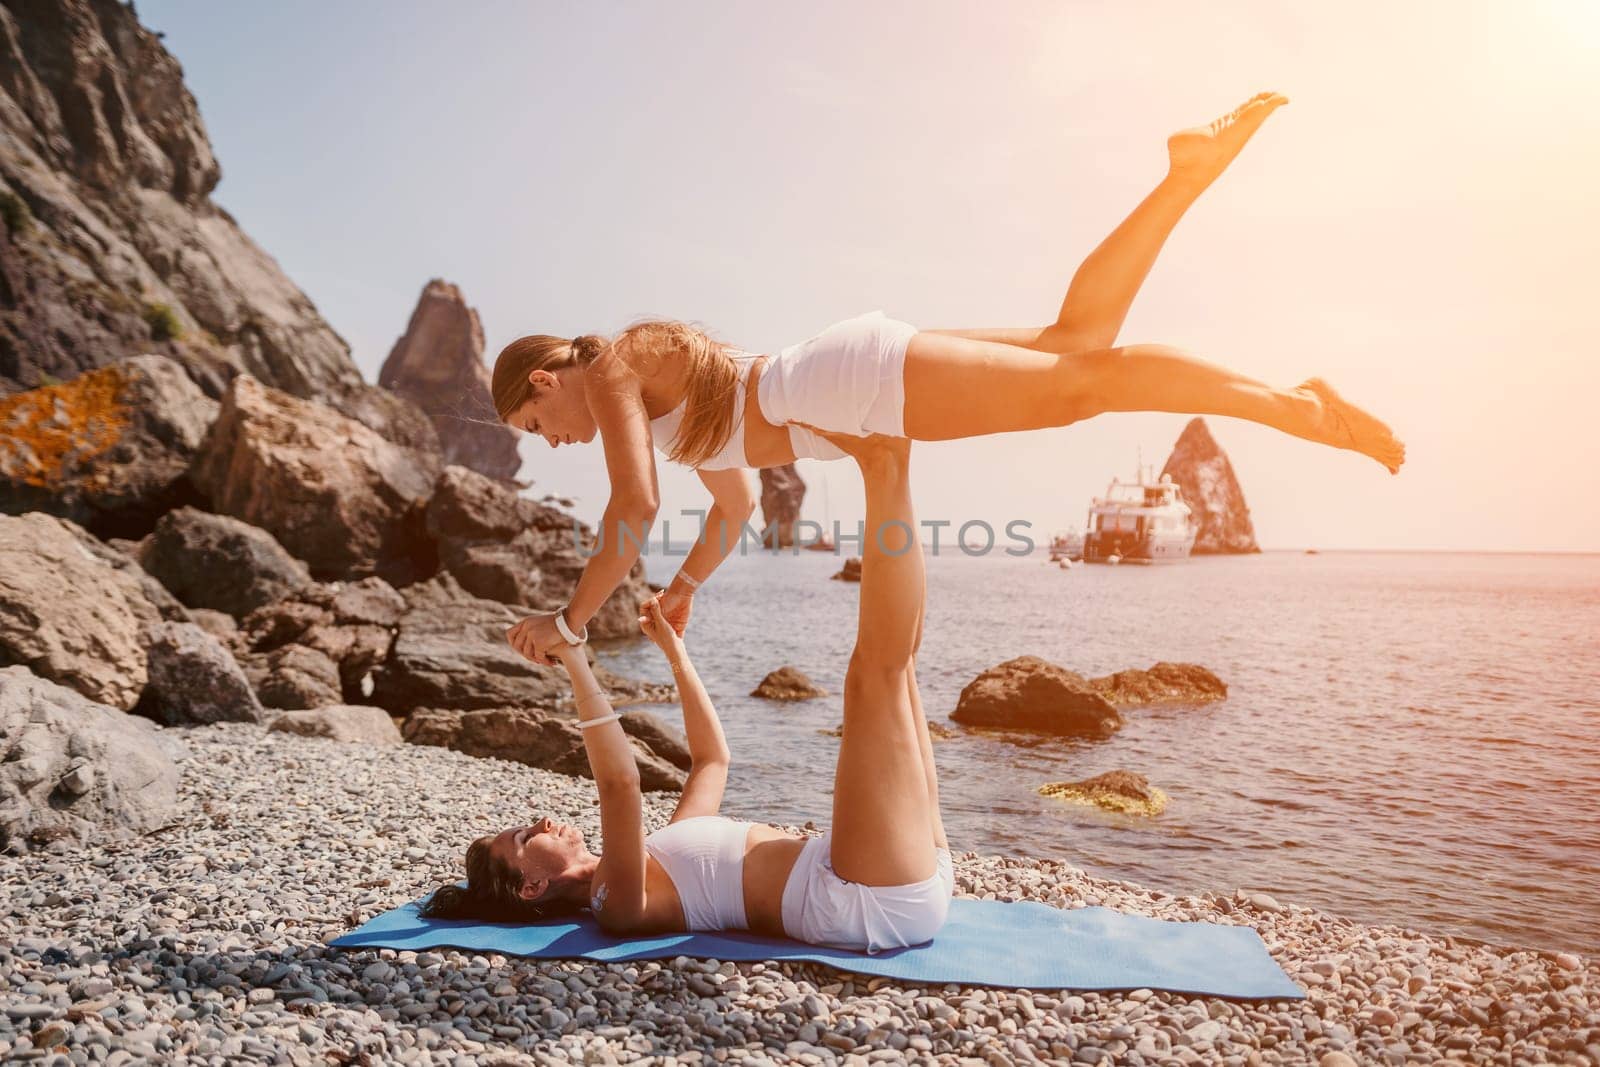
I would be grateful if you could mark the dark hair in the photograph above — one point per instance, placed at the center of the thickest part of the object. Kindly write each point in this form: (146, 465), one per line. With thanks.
(491, 893)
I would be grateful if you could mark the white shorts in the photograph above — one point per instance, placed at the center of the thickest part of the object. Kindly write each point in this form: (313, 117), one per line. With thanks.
(850, 378)
(820, 908)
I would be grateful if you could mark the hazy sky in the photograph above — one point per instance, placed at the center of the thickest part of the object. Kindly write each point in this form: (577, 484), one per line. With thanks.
(1419, 225)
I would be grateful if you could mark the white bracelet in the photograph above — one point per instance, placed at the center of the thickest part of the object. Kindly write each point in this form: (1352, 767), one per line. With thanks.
(566, 631)
(584, 724)
(687, 580)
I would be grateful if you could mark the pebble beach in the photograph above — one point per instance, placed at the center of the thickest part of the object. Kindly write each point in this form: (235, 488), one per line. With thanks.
(205, 942)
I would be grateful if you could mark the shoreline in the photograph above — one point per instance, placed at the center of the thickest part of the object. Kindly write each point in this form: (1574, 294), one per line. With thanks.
(205, 941)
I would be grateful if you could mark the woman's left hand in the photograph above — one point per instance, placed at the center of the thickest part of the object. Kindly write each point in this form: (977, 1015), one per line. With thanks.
(535, 636)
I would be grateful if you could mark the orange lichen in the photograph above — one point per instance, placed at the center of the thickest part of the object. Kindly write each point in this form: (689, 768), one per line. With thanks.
(54, 433)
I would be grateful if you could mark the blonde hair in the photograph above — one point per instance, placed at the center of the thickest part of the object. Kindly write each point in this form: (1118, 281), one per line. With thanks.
(711, 375)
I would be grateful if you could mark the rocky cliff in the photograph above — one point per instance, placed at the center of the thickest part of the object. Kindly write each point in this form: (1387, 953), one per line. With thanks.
(438, 365)
(1202, 470)
(110, 243)
(782, 492)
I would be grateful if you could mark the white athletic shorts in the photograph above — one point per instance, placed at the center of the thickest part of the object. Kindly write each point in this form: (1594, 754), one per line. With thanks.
(820, 908)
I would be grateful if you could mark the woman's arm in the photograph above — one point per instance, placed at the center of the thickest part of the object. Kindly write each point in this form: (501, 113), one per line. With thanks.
(616, 776)
(619, 412)
(708, 748)
(733, 502)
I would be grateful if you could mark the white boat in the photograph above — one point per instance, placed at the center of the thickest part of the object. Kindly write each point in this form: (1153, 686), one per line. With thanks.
(1066, 545)
(1143, 521)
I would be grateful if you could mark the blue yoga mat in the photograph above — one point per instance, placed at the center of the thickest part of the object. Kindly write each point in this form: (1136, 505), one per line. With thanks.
(984, 942)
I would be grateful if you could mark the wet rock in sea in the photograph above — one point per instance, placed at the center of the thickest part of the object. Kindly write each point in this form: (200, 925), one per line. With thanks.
(782, 493)
(850, 572)
(220, 563)
(438, 364)
(194, 679)
(787, 683)
(341, 722)
(69, 613)
(109, 449)
(502, 546)
(347, 511)
(1028, 693)
(535, 738)
(70, 766)
(937, 731)
(1164, 683)
(1211, 489)
(1119, 791)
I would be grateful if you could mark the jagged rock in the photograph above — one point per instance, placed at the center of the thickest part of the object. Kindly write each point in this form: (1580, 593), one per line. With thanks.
(438, 364)
(658, 737)
(109, 450)
(528, 736)
(69, 613)
(782, 492)
(341, 722)
(321, 644)
(217, 562)
(334, 493)
(123, 250)
(218, 624)
(70, 766)
(787, 683)
(1028, 693)
(850, 572)
(501, 546)
(1203, 472)
(392, 416)
(194, 679)
(1164, 683)
(1120, 791)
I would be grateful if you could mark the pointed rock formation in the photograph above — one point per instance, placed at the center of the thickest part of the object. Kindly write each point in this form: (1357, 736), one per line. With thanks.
(438, 364)
(782, 491)
(1203, 472)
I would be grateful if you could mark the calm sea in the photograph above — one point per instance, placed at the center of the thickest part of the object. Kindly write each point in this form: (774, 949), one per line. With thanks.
(1408, 738)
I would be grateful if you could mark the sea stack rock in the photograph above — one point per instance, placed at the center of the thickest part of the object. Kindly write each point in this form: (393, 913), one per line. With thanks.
(438, 364)
(782, 491)
(1202, 470)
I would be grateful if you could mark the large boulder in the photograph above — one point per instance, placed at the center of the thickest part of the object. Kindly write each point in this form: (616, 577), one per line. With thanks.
(787, 683)
(528, 736)
(117, 247)
(438, 364)
(333, 492)
(502, 546)
(658, 737)
(321, 644)
(1028, 693)
(1211, 490)
(70, 766)
(69, 613)
(217, 562)
(782, 492)
(194, 679)
(1164, 683)
(341, 722)
(109, 450)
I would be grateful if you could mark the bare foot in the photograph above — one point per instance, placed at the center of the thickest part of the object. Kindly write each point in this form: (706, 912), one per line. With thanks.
(1199, 154)
(1343, 425)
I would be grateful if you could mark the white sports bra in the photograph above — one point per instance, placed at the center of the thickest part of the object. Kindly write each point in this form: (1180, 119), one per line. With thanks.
(704, 857)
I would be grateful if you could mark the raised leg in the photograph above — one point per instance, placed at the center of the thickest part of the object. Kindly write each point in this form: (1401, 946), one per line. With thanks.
(882, 826)
(1103, 289)
(959, 387)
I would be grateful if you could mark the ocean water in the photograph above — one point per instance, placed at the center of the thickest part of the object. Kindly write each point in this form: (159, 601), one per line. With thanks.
(1408, 738)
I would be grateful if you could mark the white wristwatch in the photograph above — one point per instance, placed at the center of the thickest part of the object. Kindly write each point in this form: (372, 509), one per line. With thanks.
(566, 631)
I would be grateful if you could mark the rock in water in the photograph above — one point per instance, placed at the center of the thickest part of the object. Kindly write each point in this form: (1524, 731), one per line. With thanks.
(438, 364)
(70, 766)
(1164, 683)
(1121, 791)
(341, 722)
(70, 614)
(850, 572)
(216, 562)
(1203, 472)
(787, 683)
(334, 493)
(1028, 693)
(113, 245)
(109, 450)
(782, 491)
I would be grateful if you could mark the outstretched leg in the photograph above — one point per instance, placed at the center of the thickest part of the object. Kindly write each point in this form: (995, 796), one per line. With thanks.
(1104, 286)
(882, 827)
(959, 387)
